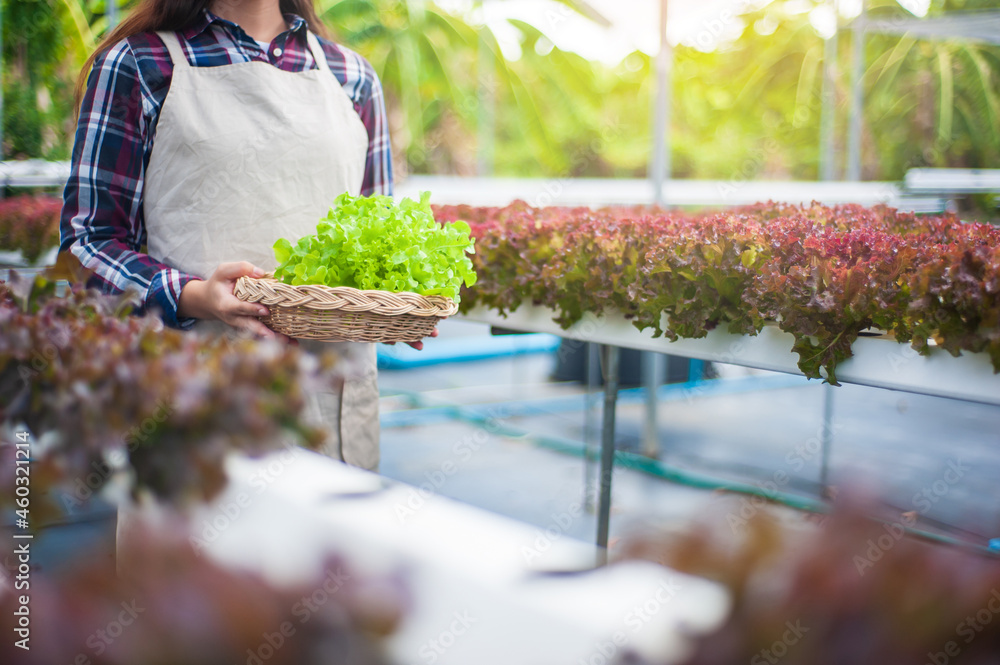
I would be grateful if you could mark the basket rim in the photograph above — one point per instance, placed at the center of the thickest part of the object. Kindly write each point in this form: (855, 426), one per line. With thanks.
(343, 298)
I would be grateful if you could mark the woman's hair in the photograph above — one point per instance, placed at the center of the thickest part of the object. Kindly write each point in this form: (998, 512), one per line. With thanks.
(153, 15)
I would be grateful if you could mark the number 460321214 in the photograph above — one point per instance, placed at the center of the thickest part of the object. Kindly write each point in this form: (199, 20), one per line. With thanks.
(22, 458)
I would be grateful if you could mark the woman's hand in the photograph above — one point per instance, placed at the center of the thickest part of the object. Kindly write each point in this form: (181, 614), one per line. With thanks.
(419, 346)
(213, 299)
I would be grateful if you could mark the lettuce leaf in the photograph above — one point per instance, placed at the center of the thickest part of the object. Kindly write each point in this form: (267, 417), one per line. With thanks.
(376, 243)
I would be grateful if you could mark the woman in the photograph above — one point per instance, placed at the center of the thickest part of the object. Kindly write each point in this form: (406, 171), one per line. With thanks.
(208, 129)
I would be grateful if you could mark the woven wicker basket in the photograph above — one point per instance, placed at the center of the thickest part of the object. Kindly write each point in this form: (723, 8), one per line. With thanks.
(343, 314)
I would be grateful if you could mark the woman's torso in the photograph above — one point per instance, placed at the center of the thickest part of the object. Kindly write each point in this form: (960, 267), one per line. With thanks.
(245, 154)
(212, 42)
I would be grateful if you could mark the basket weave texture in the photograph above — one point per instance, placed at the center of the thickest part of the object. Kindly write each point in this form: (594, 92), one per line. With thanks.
(345, 314)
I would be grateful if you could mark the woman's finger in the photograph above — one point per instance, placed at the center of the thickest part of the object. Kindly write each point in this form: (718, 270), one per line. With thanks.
(261, 331)
(254, 327)
(241, 308)
(237, 269)
(285, 339)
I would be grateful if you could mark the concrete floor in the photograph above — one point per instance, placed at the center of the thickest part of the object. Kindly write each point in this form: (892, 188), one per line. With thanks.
(938, 457)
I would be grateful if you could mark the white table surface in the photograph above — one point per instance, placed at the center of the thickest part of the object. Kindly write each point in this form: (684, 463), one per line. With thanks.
(526, 597)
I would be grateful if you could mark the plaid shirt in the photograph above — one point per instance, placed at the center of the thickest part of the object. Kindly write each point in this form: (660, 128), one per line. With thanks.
(102, 218)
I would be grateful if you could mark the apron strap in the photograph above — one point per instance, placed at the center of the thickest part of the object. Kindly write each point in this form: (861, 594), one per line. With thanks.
(174, 47)
(317, 52)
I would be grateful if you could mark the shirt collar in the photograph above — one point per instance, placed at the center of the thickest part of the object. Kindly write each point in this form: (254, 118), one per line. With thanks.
(206, 18)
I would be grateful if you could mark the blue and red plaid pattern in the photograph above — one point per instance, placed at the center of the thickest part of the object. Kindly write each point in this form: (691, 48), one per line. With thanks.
(102, 220)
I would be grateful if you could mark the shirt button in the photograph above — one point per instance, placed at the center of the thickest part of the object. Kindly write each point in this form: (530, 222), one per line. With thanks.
(277, 52)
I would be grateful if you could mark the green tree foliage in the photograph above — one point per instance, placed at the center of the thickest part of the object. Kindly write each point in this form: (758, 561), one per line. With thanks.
(747, 108)
(421, 55)
(931, 102)
(44, 43)
(751, 108)
(445, 79)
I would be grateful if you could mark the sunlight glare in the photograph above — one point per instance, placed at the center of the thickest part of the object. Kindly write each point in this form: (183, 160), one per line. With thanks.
(823, 19)
(916, 7)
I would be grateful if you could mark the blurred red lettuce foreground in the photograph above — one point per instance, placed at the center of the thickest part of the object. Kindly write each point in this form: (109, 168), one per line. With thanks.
(821, 273)
(181, 609)
(851, 591)
(29, 224)
(100, 390)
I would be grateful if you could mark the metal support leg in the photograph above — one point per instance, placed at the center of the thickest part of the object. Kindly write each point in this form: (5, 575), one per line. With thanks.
(611, 358)
(826, 439)
(652, 372)
(593, 367)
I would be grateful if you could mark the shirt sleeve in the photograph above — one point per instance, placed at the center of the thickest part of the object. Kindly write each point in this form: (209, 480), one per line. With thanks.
(101, 222)
(378, 167)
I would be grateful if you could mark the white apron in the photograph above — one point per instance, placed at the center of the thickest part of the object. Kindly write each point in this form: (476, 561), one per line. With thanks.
(245, 154)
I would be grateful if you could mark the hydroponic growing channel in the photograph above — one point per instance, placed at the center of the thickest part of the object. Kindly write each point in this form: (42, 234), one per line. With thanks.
(865, 295)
